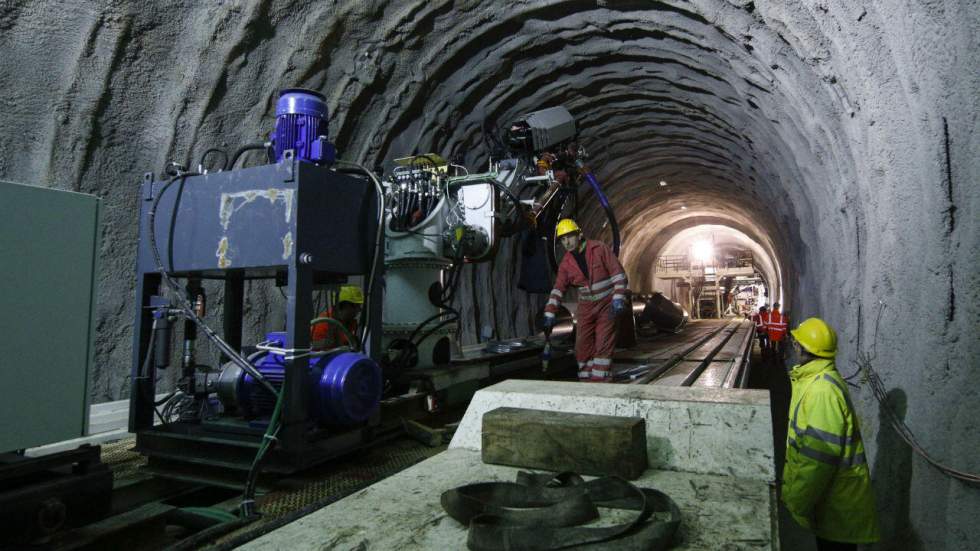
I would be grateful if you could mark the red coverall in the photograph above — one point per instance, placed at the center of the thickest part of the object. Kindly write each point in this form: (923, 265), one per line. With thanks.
(596, 330)
(324, 336)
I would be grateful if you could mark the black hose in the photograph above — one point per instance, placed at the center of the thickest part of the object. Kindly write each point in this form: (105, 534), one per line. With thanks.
(224, 155)
(434, 329)
(244, 149)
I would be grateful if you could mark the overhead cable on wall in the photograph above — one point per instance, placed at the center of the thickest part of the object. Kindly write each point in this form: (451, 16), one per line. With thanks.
(864, 364)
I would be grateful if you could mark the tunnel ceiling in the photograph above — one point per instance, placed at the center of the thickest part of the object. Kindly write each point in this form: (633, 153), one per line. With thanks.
(662, 92)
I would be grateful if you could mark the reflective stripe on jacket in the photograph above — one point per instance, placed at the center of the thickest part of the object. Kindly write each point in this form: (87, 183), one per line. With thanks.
(606, 277)
(826, 482)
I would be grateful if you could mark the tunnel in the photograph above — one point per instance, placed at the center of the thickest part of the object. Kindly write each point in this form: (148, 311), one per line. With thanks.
(835, 141)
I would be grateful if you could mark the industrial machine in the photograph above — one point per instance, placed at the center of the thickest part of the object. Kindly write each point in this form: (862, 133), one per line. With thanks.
(297, 222)
(309, 223)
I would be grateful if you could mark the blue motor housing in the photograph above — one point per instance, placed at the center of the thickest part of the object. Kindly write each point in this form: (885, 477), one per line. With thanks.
(301, 125)
(345, 387)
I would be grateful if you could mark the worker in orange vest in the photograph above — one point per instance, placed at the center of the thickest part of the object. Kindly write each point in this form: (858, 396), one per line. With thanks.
(325, 334)
(776, 324)
(593, 268)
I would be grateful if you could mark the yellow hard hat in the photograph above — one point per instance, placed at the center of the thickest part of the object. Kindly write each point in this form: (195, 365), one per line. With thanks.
(566, 226)
(351, 293)
(816, 337)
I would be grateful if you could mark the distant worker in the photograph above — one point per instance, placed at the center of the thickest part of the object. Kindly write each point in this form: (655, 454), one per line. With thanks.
(326, 335)
(826, 483)
(776, 324)
(760, 330)
(593, 268)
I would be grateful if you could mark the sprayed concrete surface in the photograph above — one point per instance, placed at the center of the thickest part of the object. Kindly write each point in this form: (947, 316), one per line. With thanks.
(839, 136)
(700, 448)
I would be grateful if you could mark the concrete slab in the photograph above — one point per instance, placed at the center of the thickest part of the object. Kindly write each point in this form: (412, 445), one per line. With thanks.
(709, 449)
(403, 512)
(700, 430)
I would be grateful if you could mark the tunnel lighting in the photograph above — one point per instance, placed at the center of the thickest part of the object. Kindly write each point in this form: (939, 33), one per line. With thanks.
(662, 183)
(702, 250)
(683, 207)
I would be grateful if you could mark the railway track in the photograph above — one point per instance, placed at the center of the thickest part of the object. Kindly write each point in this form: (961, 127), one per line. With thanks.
(708, 353)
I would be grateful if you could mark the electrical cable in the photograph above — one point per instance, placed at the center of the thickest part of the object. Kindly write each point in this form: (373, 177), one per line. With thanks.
(336, 323)
(613, 224)
(878, 390)
(247, 507)
(204, 156)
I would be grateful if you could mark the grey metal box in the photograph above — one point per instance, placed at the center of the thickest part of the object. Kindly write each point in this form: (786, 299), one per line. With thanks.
(49, 242)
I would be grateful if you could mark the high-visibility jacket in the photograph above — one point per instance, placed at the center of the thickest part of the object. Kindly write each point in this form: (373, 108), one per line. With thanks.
(826, 482)
(775, 323)
(606, 277)
(324, 335)
(759, 326)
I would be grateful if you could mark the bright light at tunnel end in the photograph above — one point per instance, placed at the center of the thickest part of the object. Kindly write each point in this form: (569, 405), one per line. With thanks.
(702, 250)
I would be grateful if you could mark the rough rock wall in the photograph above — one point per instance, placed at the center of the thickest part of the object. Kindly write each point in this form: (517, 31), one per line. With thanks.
(841, 136)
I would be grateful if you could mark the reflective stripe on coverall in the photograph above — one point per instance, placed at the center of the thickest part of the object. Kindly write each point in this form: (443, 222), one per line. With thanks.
(826, 482)
(595, 338)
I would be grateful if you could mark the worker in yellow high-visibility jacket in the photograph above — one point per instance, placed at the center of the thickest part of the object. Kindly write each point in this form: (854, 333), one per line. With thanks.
(826, 483)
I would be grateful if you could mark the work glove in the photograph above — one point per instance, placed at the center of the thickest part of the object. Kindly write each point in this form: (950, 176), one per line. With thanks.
(548, 322)
(618, 307)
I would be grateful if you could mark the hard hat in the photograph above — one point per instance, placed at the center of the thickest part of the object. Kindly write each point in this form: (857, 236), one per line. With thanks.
(816, 337)
(566, 226)
(351, 293)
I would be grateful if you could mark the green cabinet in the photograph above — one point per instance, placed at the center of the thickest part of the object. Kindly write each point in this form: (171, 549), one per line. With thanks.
(49, 242)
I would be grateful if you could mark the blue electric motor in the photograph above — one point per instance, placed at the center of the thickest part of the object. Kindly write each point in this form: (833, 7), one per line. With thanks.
(345, 387)
(301, 125)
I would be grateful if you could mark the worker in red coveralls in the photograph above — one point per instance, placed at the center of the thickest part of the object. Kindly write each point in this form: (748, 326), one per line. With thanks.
(325, 335)
(593, 268)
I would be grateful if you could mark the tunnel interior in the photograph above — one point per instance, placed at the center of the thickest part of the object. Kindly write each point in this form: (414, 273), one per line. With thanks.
(834, 140)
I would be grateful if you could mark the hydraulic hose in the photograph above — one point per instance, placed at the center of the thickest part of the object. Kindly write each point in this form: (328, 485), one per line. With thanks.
(343, 329)
(244, 149)
(613, 224)
(247, 508)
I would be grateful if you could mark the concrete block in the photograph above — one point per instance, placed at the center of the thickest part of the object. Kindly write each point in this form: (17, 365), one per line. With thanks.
(699, 430)
(557, 441)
